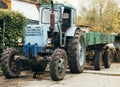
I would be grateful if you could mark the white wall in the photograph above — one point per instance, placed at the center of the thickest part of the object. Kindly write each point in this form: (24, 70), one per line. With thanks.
(28, 9)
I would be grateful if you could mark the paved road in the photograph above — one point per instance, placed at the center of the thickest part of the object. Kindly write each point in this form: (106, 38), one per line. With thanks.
(89, 78)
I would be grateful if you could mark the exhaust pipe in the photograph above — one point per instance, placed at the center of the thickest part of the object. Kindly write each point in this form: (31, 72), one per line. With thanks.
(52, 19)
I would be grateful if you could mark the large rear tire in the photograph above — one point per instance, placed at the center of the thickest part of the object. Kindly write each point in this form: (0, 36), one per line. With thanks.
(10, 68)
(107, 57)
(98, 60)
(58, 65)
(76, 52)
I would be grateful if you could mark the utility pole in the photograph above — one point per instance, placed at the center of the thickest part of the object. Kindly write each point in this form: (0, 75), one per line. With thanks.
(101, 16)
(3, 35)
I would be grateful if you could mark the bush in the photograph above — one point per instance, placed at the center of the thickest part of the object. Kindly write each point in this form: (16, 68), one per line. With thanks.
(14, 23)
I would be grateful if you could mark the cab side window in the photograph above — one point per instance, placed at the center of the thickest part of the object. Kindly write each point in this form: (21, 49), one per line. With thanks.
(66, 19)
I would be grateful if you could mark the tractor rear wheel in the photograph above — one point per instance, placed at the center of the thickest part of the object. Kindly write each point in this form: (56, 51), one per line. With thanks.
(76, 52)
(98, 60)
(10, 67)
(107, 57)
(58, 64)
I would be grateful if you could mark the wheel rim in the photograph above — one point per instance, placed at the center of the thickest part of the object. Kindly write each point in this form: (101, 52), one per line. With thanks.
(81, 52)
(61, 64)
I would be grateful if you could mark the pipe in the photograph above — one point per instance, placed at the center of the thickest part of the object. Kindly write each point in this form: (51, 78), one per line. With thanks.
(52, 19)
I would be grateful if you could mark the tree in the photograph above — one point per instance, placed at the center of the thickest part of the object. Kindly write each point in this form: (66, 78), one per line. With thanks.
(11, 28)
(101, 15)
(110, 16)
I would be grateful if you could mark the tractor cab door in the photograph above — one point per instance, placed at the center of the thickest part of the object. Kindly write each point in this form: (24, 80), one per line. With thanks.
(66, 21)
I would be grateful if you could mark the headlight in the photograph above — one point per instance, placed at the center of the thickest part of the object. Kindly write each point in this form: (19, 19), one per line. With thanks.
(19, 40)
(49, 40)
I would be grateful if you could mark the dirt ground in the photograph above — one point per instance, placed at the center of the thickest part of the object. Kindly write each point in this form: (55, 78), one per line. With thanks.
(89, 78)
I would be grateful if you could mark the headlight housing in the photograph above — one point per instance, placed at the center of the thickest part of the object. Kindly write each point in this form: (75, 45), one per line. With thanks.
(49, 41)
(19, 40)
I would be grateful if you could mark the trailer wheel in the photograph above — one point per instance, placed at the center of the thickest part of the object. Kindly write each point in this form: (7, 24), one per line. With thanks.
(58, 65)
(117, 56)
(10, 68)
(107, 57)
(98, 60)
(76, 52)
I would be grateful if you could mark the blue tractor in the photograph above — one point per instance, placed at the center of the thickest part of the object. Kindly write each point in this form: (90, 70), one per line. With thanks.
(56, 41)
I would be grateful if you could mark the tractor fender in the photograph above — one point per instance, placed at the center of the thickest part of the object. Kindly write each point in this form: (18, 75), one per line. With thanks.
(71, 31)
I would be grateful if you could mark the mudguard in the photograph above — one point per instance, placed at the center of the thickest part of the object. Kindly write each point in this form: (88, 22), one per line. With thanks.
(71, 31)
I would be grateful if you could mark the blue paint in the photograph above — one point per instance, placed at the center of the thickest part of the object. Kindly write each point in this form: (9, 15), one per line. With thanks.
(32, 50)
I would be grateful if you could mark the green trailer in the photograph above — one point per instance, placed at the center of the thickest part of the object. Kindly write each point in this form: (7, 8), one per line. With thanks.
(97, 38)
(98, 53)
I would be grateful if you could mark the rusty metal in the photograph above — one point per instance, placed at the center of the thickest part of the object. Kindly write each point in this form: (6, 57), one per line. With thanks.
(52, 19)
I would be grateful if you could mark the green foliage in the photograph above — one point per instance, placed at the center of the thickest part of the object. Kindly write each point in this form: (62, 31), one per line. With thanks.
(14, 24)
(101, 16)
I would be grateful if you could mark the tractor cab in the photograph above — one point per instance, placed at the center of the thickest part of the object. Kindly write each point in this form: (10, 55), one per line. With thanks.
(64, 15)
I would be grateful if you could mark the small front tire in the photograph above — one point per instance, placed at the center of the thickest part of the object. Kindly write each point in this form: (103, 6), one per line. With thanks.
(58, 65)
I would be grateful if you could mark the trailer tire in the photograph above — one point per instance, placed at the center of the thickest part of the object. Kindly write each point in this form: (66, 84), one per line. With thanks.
(76, 52)
(58, 65)
(98, 60)
(10, 68)
(117, 56)
(107, 57)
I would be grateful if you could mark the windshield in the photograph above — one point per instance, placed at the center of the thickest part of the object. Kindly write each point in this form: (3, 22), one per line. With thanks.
(46, 15)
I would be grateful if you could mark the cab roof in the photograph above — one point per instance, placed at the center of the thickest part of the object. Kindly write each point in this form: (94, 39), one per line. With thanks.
(60, 5)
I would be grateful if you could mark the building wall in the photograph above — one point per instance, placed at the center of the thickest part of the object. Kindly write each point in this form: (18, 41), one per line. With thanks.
(30, 10)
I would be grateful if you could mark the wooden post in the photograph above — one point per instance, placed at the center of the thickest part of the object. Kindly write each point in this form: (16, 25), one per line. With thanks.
(3, 35)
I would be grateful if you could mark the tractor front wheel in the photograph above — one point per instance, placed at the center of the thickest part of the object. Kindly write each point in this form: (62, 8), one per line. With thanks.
(58, 65)
(10, 67)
